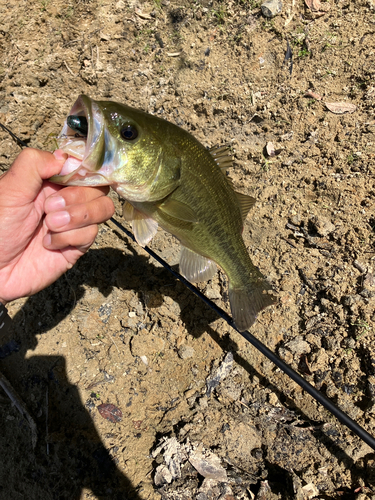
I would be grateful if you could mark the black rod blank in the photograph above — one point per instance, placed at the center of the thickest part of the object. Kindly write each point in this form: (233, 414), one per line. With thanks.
(323, 400)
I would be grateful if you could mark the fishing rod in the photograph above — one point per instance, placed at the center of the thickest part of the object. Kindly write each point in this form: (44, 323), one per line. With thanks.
(288, 370)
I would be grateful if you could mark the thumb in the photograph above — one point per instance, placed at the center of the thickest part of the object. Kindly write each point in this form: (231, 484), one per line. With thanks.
(25, 177)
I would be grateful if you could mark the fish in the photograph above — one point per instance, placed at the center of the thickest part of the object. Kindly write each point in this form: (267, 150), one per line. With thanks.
(168, 179)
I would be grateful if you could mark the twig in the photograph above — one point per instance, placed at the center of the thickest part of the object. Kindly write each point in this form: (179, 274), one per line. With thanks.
(47, 443)
(19, 404)
(72, 41)
(67, 67)
(114, 343)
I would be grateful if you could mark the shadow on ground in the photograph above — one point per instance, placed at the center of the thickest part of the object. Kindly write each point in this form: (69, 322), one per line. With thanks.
(72, 457)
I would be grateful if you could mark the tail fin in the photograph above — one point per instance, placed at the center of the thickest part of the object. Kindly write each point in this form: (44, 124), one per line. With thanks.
(246, 302)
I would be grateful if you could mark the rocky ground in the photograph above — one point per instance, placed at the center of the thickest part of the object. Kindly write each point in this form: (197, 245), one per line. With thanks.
(119, 330)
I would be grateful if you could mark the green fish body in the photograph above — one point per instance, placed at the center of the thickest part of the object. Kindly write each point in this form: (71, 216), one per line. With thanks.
(169, 179)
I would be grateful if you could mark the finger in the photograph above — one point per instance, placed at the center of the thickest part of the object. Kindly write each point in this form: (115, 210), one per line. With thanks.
(80, 239)
(76, 216)
(25, 177)
(73, 195)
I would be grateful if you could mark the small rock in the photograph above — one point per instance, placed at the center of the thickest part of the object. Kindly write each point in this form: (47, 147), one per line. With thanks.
(369, 281)
(323, 226)
(285, 355)
(208, 465)
(298, 346)
(162, 475)
(144, 360)
(271, 8)
(296, 220)
(213, 292)
(310, 491)
(264, 491)
(270, 148)
(216, 376)
(189, 393)
(186, 352)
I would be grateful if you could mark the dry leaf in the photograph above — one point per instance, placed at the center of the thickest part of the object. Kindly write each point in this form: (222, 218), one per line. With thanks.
(142, 15)
(110, 412)
(341, 107)
(314, 95)
(313, 5)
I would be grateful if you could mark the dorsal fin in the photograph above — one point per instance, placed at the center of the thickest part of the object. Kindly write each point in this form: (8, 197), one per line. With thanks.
(245, 202)
(229, 181)
(222, 157)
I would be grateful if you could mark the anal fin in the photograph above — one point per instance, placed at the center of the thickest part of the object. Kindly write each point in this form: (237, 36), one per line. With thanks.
(195, 267)
(144, 227)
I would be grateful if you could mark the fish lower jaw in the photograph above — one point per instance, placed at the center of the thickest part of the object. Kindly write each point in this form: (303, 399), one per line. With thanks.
(74, 173)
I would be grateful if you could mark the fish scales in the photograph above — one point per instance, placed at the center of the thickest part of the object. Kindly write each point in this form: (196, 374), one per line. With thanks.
(167, 178)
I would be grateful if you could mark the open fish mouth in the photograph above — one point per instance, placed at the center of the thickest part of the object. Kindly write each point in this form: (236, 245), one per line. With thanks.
(85, 147)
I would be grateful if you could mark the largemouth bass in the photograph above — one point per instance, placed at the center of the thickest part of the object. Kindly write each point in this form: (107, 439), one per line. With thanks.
(167, 178)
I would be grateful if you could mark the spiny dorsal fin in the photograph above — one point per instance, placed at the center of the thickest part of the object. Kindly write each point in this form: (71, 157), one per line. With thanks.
(222, 157)
(144, 227)
(195, 267)
(245, 202)
(178, 210)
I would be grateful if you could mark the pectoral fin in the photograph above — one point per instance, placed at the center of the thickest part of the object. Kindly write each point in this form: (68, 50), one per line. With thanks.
(178, 210)
(195, 267)
(144, 228)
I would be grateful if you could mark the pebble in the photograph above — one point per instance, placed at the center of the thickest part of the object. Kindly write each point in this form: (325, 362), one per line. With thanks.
(162, 475)
(189, 393)
(270, 8)
(208, 465)
(322, 225)
(186, 352)
(220, 373)
(298, 346)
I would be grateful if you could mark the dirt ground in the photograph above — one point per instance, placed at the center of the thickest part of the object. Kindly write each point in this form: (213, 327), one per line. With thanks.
(118, 329)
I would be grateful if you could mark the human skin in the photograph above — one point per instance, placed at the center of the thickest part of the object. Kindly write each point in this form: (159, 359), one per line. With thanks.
(44, 228)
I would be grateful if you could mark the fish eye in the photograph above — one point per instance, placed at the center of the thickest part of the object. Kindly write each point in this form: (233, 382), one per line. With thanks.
(129, 133)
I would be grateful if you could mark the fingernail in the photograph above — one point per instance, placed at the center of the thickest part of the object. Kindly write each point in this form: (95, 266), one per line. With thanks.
(47, 240)
(59, 154)
(54, 203)
(59, 219)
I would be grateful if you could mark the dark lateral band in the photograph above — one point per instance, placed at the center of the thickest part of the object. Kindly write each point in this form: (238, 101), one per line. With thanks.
(5, 320)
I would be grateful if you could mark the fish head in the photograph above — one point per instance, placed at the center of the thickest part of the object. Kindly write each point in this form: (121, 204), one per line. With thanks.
(113, 144)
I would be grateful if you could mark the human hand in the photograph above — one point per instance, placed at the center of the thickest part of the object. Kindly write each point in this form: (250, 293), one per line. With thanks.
(44, 228)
